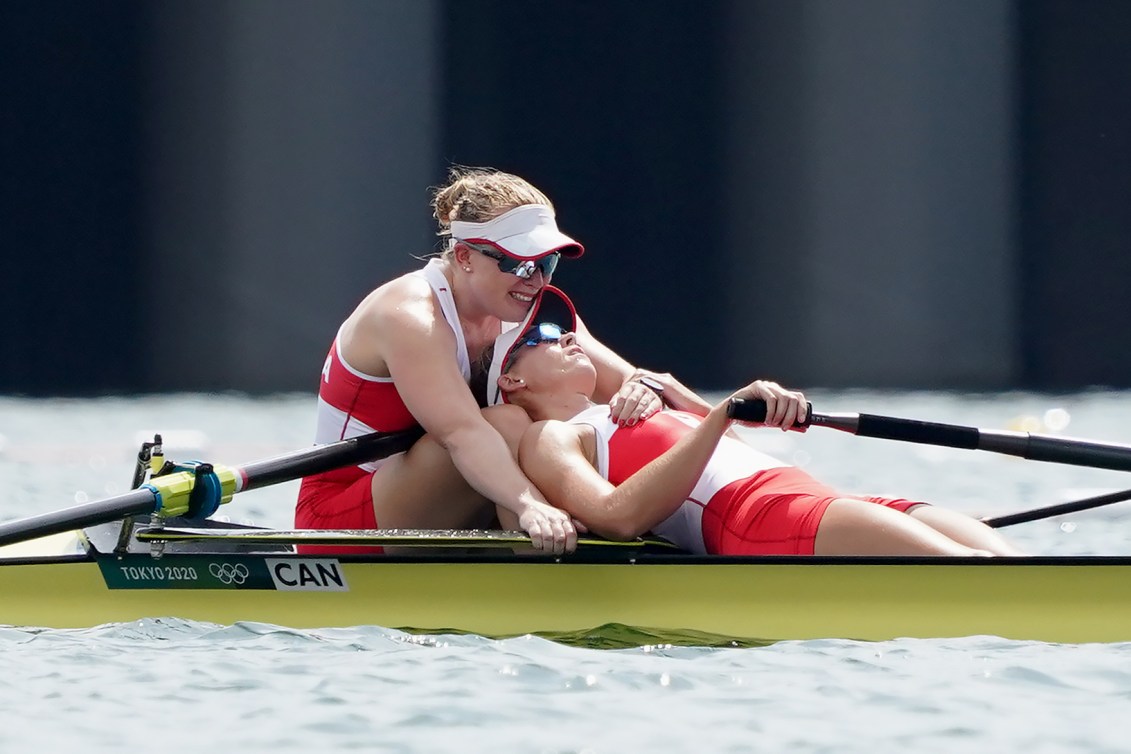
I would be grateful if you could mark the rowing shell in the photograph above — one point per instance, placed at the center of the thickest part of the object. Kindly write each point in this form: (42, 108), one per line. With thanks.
(67, 581)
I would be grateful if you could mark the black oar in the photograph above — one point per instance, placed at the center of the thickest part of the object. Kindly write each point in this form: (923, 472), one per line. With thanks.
(1024, 444)
(1049, 511)
(172, 492)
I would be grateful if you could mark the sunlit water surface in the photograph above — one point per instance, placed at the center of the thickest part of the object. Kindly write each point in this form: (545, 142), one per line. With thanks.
(178, 686)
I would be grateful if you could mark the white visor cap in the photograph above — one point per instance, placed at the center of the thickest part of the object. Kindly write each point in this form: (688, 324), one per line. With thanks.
(552, 306)
(526, 232)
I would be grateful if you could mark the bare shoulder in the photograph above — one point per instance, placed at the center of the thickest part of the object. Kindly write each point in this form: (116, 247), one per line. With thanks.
(403, 310)
(552, 430)
(551, 436)
(399, 316)
(406, 300)
(554, 452)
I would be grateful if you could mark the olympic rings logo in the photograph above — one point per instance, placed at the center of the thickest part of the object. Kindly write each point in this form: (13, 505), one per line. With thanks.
(227, 573)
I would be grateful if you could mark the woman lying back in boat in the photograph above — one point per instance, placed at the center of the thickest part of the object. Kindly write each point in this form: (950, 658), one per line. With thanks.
(688, 479)
(404, 356)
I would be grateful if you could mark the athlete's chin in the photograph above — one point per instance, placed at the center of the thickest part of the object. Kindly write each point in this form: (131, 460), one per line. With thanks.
(584, 367)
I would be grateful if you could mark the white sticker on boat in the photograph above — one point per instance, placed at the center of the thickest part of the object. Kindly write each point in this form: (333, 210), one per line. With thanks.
(307, 574)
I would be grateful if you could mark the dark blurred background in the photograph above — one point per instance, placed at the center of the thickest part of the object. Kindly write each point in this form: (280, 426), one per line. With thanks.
(875, 193)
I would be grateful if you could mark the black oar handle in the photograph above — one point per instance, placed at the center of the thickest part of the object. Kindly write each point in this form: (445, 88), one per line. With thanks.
(868, 425)
(754, 410)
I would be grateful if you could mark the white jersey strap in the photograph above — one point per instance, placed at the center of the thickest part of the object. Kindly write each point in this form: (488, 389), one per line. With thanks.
(433, 273)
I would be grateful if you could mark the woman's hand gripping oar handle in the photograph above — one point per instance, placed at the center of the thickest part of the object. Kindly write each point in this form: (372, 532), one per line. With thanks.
(867, 425)
(754, 410)
(1035, 447)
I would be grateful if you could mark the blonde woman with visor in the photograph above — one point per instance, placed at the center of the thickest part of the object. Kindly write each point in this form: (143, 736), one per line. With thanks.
(405, 357)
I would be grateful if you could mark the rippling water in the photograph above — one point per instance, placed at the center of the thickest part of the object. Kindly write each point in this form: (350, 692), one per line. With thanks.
(181, 686)
(193, 687)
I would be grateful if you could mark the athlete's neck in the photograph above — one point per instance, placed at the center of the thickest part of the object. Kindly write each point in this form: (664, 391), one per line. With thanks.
(559, 406)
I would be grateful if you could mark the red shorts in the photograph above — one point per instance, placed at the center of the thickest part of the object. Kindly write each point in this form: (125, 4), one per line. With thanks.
(332, 504)
(774, 512)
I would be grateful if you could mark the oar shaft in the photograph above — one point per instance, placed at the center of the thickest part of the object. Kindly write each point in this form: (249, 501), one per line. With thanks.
(132, 503)
(321, 458)
(1028, 445)
(1034, 447)
(1060, 509)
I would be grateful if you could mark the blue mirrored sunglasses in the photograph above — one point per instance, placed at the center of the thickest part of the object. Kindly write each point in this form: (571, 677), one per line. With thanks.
(546, 332)
(523, 268)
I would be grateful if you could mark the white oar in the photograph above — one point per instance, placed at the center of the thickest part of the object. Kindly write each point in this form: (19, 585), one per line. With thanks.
(207, 486)
(1028, 445)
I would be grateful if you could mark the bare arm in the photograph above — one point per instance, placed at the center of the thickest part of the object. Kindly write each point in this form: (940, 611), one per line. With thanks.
(554, 455)
(416, 348)
(676, 395)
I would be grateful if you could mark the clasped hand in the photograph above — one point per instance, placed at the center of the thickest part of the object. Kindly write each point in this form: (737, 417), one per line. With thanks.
(633, 403)
(550, 529)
